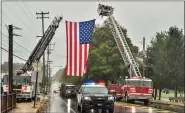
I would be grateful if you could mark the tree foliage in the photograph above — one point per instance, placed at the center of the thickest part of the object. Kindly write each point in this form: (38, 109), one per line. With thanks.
(166, 59)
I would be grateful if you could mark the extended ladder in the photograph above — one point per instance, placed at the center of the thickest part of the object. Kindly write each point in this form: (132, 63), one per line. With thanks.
(120, 40)
(42, 44)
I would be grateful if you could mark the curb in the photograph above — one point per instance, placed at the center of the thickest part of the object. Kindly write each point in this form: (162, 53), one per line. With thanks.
(157, 105)
(167, 106)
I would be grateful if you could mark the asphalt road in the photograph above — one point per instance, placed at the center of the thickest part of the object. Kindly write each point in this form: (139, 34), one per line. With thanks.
(60, 104)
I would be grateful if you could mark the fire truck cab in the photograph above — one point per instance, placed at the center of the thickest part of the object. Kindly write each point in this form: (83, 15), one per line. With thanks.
(22, 86)
(140, 89)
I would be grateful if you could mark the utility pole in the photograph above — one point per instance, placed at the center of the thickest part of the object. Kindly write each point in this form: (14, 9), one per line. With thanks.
(42, 17)
(48, 65)
(36, 68)
(10, 56)
(143, 56)
(49, 87)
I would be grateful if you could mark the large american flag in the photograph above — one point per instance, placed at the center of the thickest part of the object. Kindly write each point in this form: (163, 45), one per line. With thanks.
(78, 37)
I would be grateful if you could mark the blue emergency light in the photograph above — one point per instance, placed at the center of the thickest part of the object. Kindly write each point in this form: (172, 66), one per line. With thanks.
(89, 82)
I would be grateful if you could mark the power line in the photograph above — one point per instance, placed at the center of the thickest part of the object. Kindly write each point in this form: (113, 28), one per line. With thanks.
(26, 13)
(13, 54)
(17, 43)
(18, 17)
(27, 8)
(15, 50)
(12, 22)
(59, 55)
(21, 31)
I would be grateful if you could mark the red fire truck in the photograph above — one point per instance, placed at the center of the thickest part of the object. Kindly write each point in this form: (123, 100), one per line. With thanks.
(136, 88)
(22, 86)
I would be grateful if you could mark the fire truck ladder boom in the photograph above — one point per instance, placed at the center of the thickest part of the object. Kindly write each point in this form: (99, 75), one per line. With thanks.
(120, 39)
(42, 44)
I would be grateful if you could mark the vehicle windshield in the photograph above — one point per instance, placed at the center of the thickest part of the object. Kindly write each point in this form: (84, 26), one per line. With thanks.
(22, 80)
(141, 83)
(70, 87)
(97, 90)
(5, 80)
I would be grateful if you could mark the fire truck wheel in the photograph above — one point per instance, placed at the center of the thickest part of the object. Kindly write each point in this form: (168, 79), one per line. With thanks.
(18, 100)
(29, 99)
(146, 102)
(78, 107)
(118, 99)
(126, 98)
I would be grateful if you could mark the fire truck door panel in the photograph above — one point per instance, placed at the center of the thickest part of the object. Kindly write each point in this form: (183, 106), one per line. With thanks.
(141, 89)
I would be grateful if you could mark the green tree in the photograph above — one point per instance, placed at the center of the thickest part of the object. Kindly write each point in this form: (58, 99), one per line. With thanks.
(165, 58)
(175, 48)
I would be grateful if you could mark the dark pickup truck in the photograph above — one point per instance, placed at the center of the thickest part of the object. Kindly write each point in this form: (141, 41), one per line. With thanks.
(68, 90)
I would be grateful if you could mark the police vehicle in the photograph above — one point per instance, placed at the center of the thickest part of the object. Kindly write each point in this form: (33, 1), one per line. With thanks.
(92, 96)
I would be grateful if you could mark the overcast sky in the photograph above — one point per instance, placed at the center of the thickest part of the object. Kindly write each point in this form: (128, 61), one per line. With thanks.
(142, 19)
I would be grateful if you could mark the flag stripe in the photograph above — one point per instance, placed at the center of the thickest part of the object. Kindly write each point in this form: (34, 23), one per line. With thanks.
(67, 47)
(85, 57)
(86, 61)
(78, 52)
(75, 48)
(71, 55)
(80, 63)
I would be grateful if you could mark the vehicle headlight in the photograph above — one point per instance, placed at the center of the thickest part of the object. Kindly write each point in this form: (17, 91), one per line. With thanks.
(110, 98)
(87, 98)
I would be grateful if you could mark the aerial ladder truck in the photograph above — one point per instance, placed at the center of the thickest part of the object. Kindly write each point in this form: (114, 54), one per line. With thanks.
(25, 89)
(136, 87)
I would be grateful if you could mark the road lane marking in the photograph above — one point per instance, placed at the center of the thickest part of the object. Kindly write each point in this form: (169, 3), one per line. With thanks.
(68, 106)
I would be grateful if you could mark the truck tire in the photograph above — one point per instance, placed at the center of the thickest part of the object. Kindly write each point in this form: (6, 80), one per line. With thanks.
(126, 97)
(146, 102)
(78, 107)
(118, 99)
(111, 110)
(33, 98)
(83, 109)
(29, 99)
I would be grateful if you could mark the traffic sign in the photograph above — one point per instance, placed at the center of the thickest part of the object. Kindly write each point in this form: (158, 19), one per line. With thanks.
(37, 67)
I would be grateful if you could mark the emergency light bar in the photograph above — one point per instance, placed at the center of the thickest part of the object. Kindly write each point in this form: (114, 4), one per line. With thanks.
(90, 83)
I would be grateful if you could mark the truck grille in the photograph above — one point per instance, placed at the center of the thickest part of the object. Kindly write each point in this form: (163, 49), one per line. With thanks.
(99, 99)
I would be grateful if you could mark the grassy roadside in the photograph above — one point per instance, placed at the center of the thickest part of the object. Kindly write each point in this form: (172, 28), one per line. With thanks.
(164, 95)
(166, 105)
(167, 102)
(43, 104)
